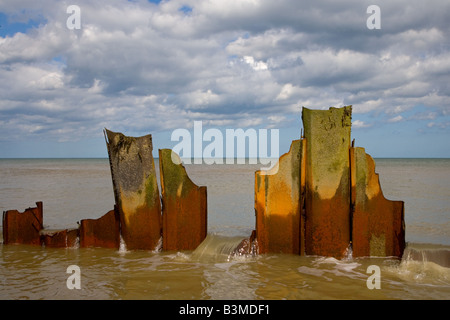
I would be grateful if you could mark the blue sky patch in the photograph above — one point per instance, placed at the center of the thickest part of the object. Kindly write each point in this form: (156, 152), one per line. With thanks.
(9, 27)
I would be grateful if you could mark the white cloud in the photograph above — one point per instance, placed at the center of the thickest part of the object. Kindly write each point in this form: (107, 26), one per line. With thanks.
(201, 99)
(396, 119)
(285, 92)
(360, 124)
(256, 65)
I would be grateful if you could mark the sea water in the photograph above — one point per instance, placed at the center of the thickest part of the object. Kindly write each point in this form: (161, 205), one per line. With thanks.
(76, 189)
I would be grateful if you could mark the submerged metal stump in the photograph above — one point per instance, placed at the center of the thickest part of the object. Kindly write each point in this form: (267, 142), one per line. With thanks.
(23, 227)
(327, 134)
(102, 232)
(59, 238)
(378, 227)
(325, 197)
(135, 189)
(278, 194)
(184, 205)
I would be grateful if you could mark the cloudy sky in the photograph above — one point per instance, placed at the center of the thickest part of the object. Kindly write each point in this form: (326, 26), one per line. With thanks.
(142, 67)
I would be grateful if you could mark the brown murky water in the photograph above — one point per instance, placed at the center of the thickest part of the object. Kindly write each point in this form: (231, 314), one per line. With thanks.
(75, 189)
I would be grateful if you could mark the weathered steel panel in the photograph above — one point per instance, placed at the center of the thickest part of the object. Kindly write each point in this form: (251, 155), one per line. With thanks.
(59, 238)
(135, 189)
(327, 202)
(102, 232)
(278, 204)
(184, 205)
(23, 227)
(378, 227)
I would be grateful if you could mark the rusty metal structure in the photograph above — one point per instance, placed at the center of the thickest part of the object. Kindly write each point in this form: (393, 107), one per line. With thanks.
(323, 197)
(326, 198)
(184, 205)
(378, 227)
(65, 238)
(23, 227)
(135, 189)
(327, 135)
(141, 216)
(277, 205)
(102, 232)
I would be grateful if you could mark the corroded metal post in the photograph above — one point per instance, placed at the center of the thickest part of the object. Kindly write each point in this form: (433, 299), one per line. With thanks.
(302, 200)
(327, 203)
(278, 205)
(59, 238)
(102, 232)
(378, 227)
(135, 189)
(23, 227)
(184, 205)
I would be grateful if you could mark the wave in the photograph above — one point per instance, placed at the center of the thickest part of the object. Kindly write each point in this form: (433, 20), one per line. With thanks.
(437, 254)
(217, 248)
(425, 264)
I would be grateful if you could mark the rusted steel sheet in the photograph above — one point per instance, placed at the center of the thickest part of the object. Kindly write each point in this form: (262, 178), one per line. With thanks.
(184, 205)
(102, 232)
(378, 227)
(59, 238)
(135, 189)
(278, 204)
(23, 227)
(327, 202)
(302, 200)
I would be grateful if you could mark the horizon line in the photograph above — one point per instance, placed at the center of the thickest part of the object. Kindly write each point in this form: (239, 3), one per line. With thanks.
(192, 158)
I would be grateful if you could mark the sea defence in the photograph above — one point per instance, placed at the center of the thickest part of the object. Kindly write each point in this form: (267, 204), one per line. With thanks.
(142, 218)
(326, 198)
(23, 227)
(184, 205)
(378, 227)
(135, 189)
(323, 198)
(278, 205)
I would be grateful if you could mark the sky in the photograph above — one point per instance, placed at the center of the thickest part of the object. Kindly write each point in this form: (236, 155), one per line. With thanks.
(151, 67)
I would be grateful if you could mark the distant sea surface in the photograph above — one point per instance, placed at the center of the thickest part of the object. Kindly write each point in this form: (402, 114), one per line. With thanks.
(76, 189)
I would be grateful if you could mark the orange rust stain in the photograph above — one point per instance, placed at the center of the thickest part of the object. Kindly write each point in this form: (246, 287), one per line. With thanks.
(277, 205)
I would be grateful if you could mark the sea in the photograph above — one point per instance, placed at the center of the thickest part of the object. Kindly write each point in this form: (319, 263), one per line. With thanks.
(76, 189)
